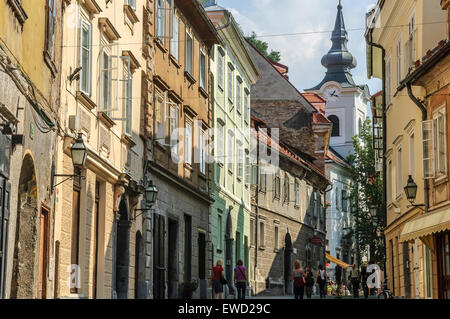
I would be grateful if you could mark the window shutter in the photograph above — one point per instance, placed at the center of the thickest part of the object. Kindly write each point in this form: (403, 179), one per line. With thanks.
(428, 147)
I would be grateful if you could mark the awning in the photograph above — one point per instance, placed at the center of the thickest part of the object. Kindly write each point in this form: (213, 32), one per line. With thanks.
(336, 261)
(425, 225)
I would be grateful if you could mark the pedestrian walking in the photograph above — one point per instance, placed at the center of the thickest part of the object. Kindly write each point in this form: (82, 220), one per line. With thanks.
(309, 282)
(338, 277)
(240, 279)
(322, 281)
(299, 281)
(218, 280)
(355, 281)
(364, 276)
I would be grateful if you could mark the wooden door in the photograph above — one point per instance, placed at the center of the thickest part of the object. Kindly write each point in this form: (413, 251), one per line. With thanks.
(43, 253)
(443, 253)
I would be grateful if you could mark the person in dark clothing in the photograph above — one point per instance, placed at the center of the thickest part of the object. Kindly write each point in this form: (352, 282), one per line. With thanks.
(322, 281)
(338, 275)
(309, 282)
(364, 276)
(299, 281)
(355, 281)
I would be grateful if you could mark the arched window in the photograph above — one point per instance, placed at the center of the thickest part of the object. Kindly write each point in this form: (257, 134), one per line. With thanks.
(336, 130)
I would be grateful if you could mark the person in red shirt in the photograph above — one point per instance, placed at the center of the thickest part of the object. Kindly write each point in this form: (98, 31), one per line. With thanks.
(299, 280)
(216, 282)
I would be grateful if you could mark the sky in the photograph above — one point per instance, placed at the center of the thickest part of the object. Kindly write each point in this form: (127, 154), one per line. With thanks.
(303, 53)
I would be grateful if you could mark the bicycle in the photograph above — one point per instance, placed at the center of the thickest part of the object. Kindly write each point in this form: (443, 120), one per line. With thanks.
(386, 293)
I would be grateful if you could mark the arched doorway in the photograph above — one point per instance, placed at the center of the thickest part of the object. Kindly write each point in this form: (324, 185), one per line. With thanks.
(287, 263)
(229, 252)
(123, 250)
(25, 251)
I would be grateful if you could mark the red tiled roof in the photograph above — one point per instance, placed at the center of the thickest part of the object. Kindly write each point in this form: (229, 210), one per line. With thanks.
(320, 118)
(331, 156)
(313, 97)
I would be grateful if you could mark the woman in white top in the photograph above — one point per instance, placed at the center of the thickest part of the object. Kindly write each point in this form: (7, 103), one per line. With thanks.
(322, 281)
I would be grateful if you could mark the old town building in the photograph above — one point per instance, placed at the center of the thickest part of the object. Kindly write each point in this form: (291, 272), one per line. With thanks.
(433, 228)
(346, 107)
(305, 131)
(233, 74)
(96, 231)
(30, 68)
(288, 214)
(409, 129)
(179, 37)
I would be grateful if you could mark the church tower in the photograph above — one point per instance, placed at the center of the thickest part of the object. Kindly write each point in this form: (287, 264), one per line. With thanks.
(346, 102)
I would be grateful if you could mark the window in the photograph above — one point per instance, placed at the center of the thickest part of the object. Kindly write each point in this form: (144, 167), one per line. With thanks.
(399, 62)
(297, 193)
(106, 80)
(220, 70)
(262, 179)
(230, 83)
(85, 56)
(202, 149)
(440, 143)
(275, 239)
(238, 96)
(277, 183)
(427, 136)
(252, 232)
(50, 28)
(286, 188)
(411, 43)
(412, 156)
(389, 182)
(189, 48)
(128, 100)
(173, 126)
(399, 172)
(160, 118)
(132, 4)
(220, 143)
(188, 144)
(336, 129)
(240, 159)
(202, 71)
(247, 169)
(359, 127)
(175, 38)
(388, 82)
(187, 248)
(246, 106)
(219, 230)
(230, 151)
(261, 234)
(344, 199)
(160, 19)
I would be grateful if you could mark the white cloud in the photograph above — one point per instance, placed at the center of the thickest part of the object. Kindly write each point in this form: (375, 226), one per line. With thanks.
(273, 20)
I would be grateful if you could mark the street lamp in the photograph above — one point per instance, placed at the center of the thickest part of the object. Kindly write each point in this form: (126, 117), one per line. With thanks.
(150, 194)
(411, 192)
(79, 155)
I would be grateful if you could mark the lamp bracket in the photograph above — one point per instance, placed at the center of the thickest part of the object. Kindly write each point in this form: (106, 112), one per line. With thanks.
(69, 177)
(140, 209)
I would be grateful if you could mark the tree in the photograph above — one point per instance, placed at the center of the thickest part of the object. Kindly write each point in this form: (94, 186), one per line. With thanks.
(366, 198)
(263, 47)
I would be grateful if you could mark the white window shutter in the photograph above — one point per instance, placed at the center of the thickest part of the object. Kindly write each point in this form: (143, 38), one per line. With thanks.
(428, 149)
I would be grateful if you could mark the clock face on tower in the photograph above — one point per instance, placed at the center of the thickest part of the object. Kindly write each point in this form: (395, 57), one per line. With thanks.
(332, 93)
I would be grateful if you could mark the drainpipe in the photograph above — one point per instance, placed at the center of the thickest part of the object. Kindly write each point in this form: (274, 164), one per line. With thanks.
(226, 25)
(256, 207)
(424, 118)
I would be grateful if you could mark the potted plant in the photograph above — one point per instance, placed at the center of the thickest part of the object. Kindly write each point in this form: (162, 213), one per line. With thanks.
(188, 289)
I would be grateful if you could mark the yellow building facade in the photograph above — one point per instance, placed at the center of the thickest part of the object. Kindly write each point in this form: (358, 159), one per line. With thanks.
(97, 227)
(399, 34)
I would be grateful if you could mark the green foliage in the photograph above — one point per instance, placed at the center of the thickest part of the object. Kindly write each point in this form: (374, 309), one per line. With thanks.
(263, 47)
(367, 194)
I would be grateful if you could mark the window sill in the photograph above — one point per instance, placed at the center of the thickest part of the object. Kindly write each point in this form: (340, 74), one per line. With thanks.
(128, 140)
(262, 247)
(174, 61)
(50, 63)
(85, 100)
(106, 119)
(202, 175)
(276, 250)
(203, 92)
(160, 44)
(131, 14)
(189, 77)
(219, 251)
(440, 180)
(19, 12)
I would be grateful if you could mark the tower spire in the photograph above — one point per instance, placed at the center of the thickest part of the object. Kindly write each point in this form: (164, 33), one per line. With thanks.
(338, 61)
